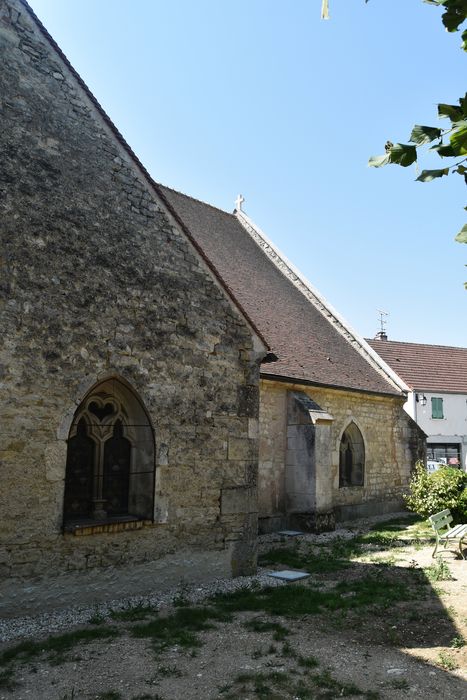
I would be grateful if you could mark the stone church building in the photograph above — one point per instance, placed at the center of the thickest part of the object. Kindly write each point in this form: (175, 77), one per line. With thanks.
(166, 376)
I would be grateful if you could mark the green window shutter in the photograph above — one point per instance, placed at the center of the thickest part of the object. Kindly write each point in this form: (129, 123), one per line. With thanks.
(436, 407)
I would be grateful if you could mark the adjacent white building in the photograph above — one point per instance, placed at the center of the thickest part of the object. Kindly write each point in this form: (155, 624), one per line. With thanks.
(437, 378)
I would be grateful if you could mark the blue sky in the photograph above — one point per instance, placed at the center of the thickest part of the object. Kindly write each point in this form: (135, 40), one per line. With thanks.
(261, 97)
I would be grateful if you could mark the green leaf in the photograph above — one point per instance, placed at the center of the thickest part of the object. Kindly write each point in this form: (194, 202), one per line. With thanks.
(402, 154)
(455, 14)
(443, 150)
(461, 169)
(454, 112)
(462, 235)
(464, 40)
(463, 100)
(459, 139)
(378, 161)
(424, 134)
(429, 175)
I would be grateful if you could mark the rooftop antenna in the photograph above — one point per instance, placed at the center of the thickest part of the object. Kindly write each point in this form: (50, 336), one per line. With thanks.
(381, 334)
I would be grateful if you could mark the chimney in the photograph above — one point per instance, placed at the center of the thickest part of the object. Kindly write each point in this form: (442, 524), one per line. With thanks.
(381, 335)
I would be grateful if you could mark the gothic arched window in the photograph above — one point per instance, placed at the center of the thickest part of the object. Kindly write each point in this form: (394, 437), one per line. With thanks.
(351, 457)
(110, 459)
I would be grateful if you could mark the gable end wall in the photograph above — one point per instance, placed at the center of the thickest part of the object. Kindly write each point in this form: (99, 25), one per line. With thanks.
(97, 282)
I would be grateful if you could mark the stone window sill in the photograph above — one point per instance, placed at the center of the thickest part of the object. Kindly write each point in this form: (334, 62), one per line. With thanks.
(118, 524)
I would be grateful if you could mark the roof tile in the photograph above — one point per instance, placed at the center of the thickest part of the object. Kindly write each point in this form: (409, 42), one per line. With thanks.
(426, 367)
(308, 346)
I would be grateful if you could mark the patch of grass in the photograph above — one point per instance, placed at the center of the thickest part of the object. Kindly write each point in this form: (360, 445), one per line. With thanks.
(56, 648)
(307, 661)
(263, 685)
(338, 689)
(168, 672)
(439, 571)
(279, 685)
(96, 619)
(134, 614)
(458, 642)
(288, 651)
(368, 591)
(411, 521)
(447, 661)
(384, 539)
(325, 560)
(109, 695)
(181, 627)
(412, 529)
(260, 625)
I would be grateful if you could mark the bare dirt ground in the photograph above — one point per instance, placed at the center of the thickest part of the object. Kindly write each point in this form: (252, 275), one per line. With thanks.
(377, 618)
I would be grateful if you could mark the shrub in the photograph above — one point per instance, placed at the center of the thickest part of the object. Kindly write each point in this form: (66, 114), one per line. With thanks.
(430, 493)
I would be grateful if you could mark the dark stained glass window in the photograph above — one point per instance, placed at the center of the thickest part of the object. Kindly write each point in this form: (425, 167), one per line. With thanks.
(110, 468)
(80, 469)
(117, 454)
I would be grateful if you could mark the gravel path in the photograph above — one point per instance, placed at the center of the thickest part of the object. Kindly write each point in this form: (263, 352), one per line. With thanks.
(60, 620)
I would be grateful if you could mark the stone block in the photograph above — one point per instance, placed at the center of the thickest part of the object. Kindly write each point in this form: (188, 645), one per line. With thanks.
(240, 448)
(238, 500)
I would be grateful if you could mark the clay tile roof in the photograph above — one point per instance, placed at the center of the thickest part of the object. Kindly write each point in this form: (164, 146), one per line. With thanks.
(308, 346)
(426, 367)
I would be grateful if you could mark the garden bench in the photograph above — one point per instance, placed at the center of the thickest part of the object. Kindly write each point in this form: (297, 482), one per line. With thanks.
(441, 524)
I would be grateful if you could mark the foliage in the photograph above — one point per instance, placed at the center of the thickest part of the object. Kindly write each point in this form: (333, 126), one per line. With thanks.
(439, 571)
(447, 661)
(179, 628)
(56, 648)
(450, 142)
(346, 595)
(431, 493)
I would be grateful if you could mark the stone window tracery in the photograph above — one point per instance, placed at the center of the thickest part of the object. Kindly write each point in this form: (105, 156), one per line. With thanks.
(110, 459)
(351, 457)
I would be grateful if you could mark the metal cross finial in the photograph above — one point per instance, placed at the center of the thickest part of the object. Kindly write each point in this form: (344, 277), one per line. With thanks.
(238, 202)
(325, 9)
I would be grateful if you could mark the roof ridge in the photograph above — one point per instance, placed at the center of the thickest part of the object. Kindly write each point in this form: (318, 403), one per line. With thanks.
(195, 199)
(409, 342)
(313, 296)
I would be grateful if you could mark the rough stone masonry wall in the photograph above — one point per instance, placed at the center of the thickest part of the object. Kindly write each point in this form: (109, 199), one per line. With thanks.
(392, 445)
(95, 281)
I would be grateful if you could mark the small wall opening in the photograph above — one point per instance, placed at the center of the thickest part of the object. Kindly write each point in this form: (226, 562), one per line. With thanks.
(351, 457)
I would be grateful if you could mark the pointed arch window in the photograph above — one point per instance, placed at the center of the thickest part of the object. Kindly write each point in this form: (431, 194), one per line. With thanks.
(110, 459)
(351, 457)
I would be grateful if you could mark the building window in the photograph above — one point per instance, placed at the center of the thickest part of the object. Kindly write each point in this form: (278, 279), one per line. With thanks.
(351, 457)
(436, 407)
(110, 459)
(449, 453)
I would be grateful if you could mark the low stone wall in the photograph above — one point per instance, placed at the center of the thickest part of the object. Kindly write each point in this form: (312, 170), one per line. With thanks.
(87, 588)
